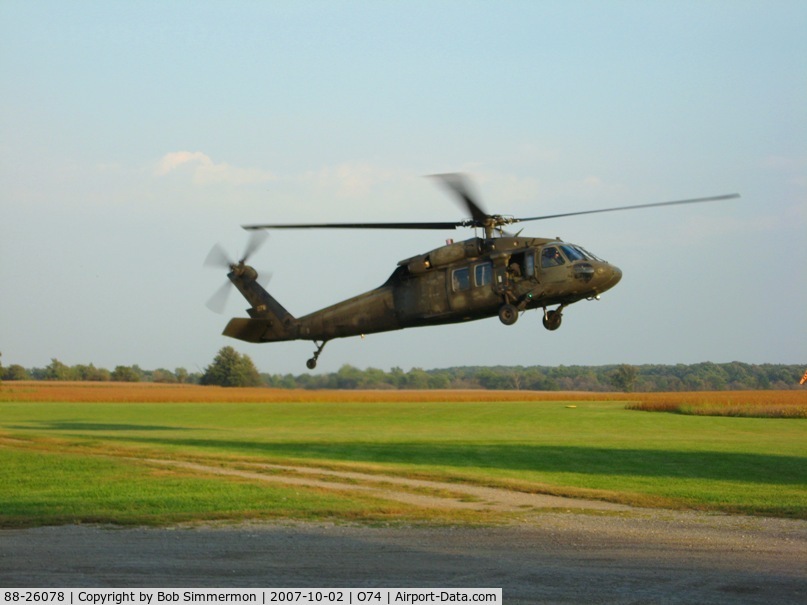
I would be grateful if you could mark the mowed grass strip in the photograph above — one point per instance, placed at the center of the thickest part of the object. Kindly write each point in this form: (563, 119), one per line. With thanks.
(41, 487)
(599, 448)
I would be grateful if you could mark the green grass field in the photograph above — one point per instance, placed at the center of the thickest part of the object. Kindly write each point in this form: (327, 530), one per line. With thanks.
(87, 462)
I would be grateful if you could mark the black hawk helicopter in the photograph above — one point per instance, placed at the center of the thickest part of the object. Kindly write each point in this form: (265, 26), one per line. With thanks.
(499, 274)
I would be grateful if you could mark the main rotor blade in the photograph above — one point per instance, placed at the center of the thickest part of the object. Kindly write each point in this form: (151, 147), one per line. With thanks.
(362, 226)
(657, 204)
(458, 184)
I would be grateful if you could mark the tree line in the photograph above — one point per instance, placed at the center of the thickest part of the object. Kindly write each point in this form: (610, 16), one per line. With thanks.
(230, 368)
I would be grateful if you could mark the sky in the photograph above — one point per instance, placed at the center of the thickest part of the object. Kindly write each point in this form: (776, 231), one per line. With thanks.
(136, 135)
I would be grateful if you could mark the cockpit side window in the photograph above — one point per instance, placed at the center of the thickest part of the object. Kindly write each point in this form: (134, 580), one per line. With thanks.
(461, 279)
(551, 257)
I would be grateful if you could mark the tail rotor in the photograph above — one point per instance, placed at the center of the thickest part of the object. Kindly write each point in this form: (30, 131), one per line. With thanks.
(219, 259)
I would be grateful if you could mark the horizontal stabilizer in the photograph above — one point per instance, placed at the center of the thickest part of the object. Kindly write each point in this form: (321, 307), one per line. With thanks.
(259, 329)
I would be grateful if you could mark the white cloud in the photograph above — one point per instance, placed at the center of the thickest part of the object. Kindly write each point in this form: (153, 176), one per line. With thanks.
(350, 179)
(204, 171)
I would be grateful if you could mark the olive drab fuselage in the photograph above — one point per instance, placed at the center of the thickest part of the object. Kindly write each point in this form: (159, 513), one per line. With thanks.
(458, 282)
(498, 274)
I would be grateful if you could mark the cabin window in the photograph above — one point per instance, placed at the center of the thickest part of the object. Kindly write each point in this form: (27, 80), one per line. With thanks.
(461, 279)
(551, 257)
(529, 264)
(483, 274)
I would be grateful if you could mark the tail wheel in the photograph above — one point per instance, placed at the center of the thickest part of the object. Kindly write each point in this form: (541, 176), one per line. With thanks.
(508, 314)
(312, 363)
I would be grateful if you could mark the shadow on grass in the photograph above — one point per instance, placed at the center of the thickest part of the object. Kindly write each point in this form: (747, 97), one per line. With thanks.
(731, 466)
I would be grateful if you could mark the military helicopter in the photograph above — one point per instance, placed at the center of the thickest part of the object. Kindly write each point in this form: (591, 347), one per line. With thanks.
(495, 274)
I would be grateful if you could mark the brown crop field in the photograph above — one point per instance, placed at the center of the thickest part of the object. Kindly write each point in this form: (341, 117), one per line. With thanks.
(122, 392)
(779, 404)
(757, 404)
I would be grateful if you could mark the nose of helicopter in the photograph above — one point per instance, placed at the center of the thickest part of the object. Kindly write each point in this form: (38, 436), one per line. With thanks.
(608, 276)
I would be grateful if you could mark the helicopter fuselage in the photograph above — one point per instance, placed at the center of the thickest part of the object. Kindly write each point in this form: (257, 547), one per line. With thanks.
(458, 282)
(498, 274)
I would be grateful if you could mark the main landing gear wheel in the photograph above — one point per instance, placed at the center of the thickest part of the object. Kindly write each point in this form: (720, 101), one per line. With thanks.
(552, 320)
(508, 314)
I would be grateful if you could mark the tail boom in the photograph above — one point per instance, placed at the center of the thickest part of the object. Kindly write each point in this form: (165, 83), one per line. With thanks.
(269, 321)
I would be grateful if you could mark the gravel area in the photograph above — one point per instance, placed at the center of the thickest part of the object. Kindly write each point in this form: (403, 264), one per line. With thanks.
(606, 557)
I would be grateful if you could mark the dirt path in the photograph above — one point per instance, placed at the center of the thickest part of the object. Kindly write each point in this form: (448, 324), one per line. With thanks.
(417, 492)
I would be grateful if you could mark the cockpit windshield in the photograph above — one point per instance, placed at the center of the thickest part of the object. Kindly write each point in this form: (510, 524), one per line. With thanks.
(575, 253)
(572, 253)
(551, 255)
(589, 255)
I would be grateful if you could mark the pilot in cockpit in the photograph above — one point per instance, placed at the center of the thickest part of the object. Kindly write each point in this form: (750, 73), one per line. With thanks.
(551, 257)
